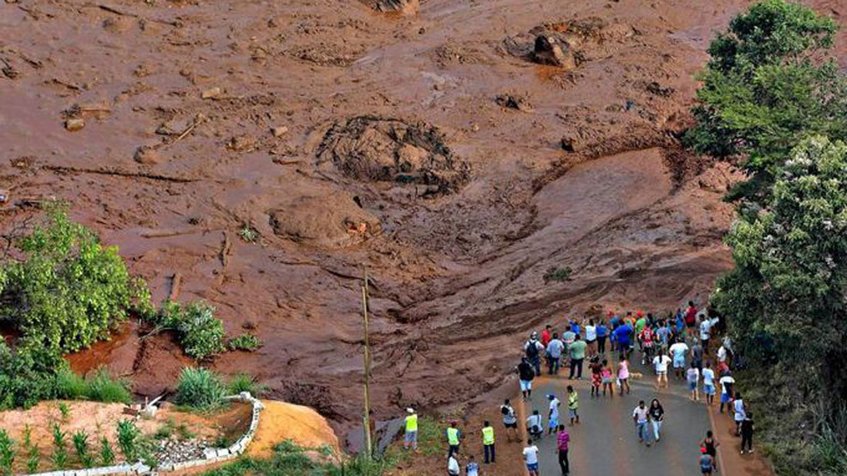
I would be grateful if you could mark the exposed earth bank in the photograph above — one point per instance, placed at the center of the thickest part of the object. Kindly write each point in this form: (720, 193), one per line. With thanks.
(462, 150)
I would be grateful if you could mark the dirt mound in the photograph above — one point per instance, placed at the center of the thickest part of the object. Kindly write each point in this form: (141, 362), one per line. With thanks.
(568, 43)
(405, 7)
(282, 421)
(332, 221)
(392, 150)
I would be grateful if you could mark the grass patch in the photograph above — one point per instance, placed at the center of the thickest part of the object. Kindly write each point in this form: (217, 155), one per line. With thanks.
(557, 274)
(245, 383)
(246, 342)
(101, 387)
(199, 389)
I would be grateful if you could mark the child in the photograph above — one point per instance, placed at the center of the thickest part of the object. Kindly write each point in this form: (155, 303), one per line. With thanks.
(747, 433)
(472, 469)
(606, 378)
(707, 463)
(596, 377)
(553, 416)
(573, 405)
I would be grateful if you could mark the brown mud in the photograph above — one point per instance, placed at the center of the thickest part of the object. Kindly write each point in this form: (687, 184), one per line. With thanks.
(200, 119)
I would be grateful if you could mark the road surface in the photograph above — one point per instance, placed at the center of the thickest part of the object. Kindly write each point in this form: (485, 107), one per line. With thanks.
(605, 443)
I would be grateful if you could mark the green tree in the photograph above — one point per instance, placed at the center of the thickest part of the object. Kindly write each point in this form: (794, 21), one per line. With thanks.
(786, 300)
(766, 87)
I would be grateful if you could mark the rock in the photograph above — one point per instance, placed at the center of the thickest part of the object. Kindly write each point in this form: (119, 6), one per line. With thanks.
(405, 7)
(331, 220)
(147, 155)
(279, 131)
(570, 144)
(211, 93)
(74, 124)
(549, 51)
(510, 101)
(4, 195)
(241, 143)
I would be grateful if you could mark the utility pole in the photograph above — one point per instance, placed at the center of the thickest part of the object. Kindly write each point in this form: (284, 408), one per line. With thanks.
(367, 415)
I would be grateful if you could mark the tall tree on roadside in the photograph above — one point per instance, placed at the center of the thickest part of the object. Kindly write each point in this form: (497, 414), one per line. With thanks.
(768, 85)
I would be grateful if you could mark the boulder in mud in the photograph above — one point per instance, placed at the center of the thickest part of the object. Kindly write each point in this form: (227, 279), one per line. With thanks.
(330, 221)
(381, 149)
(405, 7)
(550, 51)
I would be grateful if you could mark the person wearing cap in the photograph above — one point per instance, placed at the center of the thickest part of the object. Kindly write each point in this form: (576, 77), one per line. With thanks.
(454, 436)
(707, 462)
(488, 442)
(553, 415)
(411, 437)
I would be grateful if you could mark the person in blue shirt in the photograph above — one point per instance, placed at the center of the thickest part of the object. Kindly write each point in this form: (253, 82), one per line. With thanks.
(575, 327)
(472, 469)
(623, 334)
(602, 333)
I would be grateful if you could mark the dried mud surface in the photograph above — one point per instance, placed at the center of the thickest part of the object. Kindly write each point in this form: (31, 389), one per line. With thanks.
(202, 118)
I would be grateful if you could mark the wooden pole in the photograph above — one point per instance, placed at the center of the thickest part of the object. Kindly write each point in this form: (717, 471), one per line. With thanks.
(367, 415)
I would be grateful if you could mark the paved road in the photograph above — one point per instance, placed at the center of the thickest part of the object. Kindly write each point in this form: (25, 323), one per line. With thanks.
(605, 442)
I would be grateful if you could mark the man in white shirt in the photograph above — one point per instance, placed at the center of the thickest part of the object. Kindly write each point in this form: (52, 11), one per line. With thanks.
(740, 412)
(706, 331)
(591, 337)
(555, 348)
(453, 465)
(641, 415)
(726, 383)
(530, 456)
(709, 383)
(553, 415)
(533, 424)
(679, 351)
(661, 363)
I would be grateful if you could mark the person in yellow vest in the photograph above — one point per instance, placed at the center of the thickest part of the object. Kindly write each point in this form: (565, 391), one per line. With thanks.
(411, 437)
(454, 436)
(488, 442)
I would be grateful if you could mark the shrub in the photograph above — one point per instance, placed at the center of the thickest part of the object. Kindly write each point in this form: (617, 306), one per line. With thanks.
(245, 383)
(69, 385)
(199, 388)
(107, 454)
(247, 342)
(80, 441)
(200, 334)
(103, 388)
(60, 450)
(128, 439)
(557, 274)
(27, 376)
(7, 453)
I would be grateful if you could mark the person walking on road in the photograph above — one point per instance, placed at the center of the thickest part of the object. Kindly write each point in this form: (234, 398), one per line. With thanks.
(623, 374)
(553, 414)
(602, 334)
(727, 383)
(410, 439)
(488, 442)
(562, 442)
(693, 378)
(690, 318)
(453, 468)
(678, 352)
(577, 354)
(573, 405)
(657, 417)
(641, 416)
(530, 457)
(661, 363)
(740, 412)
(555, 348)
(533, 350)
(525, 376)
(510, 421)
(709, 383)
(711, 444)
(472, 469)
(606, 378)
(454, 437)
(623, 336)
(591, 338)
(596, 376)
(706, 325)
(747, 433)
(707, 463)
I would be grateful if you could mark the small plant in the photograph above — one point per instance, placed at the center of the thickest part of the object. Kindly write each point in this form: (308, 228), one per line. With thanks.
(247, 342)
(31, 451)
(128, 436)
(184, 432)
(199, 388)
(245, 383)
(200, 334)
(69, 385)
(223, 441)
(248, 234)
(107, 454)
(65, 411)
(557, 274)
(7, 453)
(80, 441)
(103, 388)
(166, 430)
(60, 450)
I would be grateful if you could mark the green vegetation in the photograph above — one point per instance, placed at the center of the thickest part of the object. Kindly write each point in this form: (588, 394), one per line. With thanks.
(7, 453)
(768, 85)
(65, 411)
(247, 342)
(129, 437)
(289, 459)
(31, 451)
(200, 334)
(100, 387)
(80, 441)
(199, 389)
(248, 234)
(107, 454)
(245, 383)
(557, 274)
(772, 96)
(27, 376)
(60, 448)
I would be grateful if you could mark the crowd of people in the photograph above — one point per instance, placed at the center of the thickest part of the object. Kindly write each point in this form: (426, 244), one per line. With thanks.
(683, 343)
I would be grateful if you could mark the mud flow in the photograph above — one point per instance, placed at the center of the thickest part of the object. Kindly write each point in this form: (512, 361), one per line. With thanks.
(460, 149)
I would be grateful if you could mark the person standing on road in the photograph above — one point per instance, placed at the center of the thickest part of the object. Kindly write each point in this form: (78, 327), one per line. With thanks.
(747, 433)
(573, 405)
(472, 469)
(488, 442)
(546, 335)
(678, 351)
(591, 338)
(697, 355)
(606, 378)
(530, 457)
(510, 421)
(596, 376)
(525, 376)
(663, 335)
(690, 319)
(711, 444)
(554, 354)
(641, 415)
(661, 363)
(623, 374)
(709, 384)
(706, 325)
(553, 414)
(562, 442)
(577, 354)
(707, 463)
(726, 382)
(533, 350)
(693, 378)
(623, 335)
(740, 412)
(602, 334)
(453, 468)
(454, 437)
(410, 439)
(657, 417)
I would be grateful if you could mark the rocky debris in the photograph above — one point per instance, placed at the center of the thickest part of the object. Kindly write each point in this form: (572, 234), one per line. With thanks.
(332, 220)
(173, 450)
(147, 155)
(405, 7)
(74, 124)
(211, 93)
(657, 89)
(4, 195)
(392, 150)
(550, 51)
(242, 143)
(513, 101)
(279, 131)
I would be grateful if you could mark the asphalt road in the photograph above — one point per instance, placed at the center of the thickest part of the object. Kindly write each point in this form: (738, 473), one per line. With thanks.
(605, 442)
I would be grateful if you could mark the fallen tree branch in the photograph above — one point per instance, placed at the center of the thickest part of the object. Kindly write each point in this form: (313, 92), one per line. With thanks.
(119, 173)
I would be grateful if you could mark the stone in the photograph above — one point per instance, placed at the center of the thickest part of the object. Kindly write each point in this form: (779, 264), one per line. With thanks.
(550, 52)
(279, 131)
(4, 195)
(74, 124)
(211, 93)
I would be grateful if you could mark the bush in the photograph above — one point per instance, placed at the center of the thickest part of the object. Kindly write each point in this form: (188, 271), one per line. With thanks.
(557, 274)
(200, 334)
(103, 388)
(245, 383)
(128, 439)
(199, 388)
(70, 386)
(80, 441)
(27, 376)
(247, 342)
(107, 454)
(7, 453)
(60, 450)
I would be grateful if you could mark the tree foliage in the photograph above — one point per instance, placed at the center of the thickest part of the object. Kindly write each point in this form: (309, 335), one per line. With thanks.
(767, 86)
(200, 333)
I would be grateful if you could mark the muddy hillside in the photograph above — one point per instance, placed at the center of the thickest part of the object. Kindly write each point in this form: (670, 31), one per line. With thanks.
(495, 164)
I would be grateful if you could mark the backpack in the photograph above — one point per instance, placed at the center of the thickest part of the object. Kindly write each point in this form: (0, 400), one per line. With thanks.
(505, 410)
(531, 350)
